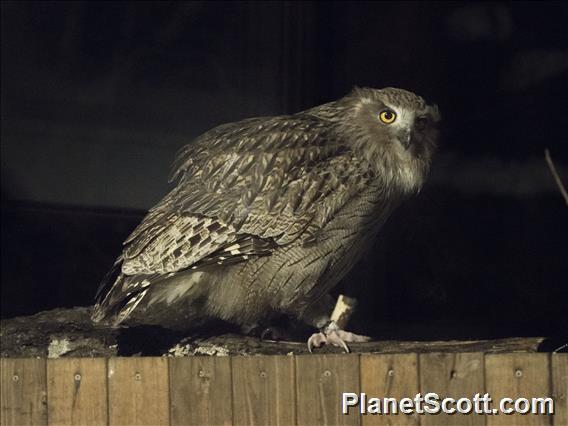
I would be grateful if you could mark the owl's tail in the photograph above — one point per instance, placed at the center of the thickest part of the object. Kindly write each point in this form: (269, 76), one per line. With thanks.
(118, 295)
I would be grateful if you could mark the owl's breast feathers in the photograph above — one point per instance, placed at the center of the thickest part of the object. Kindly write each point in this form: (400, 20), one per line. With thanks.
(243, 189)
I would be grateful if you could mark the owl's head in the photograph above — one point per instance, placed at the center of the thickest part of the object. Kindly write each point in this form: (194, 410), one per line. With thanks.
(395, 129)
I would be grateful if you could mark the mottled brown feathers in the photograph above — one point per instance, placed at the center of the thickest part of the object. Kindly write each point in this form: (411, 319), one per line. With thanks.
(272, 185)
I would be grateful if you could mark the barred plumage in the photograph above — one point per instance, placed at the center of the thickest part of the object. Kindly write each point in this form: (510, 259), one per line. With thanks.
(269, 213)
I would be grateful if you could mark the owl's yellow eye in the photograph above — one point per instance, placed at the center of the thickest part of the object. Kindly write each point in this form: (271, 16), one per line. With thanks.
(387, 116)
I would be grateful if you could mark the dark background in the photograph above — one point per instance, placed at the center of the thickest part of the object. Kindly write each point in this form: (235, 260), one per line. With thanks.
(97, 98)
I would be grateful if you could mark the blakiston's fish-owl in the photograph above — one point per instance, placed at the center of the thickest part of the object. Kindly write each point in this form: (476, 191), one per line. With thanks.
(270, 213)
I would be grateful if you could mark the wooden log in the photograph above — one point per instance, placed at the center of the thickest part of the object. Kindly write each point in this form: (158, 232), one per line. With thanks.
(517, 376)
(390, 376)
(56, 333)
(77, 390)
(138, 391)
(560, 388)
(24, 392)
(70, 333)
(320, 381)
(201, 391)
(263, 390)
(455, 376)
(231, 344)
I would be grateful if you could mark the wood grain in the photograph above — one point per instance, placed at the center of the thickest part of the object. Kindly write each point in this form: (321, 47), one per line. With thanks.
(23, 392)
(560, 388)
(389, 376)
(138, 391)
(263, 390)
(274, 390)
(514, 376)
(454, 376)
(320, 382)
(77, 390)
(201, 391)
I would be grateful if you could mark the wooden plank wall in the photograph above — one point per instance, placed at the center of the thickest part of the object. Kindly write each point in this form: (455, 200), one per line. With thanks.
(270, 390)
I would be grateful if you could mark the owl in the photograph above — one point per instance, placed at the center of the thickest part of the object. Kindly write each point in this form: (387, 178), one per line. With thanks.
(268, 214)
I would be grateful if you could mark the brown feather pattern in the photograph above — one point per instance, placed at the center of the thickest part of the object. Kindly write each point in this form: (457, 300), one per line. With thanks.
(266, 186)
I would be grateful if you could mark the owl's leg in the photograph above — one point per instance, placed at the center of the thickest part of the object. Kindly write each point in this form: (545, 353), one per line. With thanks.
(330, 332)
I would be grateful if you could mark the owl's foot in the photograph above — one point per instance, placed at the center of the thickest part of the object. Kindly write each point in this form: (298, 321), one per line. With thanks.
(333, 335)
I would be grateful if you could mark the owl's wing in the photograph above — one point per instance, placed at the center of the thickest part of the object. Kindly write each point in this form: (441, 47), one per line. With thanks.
(243, 189)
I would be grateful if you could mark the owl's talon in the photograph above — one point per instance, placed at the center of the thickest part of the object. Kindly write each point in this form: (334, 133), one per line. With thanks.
(335, 336)
(316, 340)
(335, 340)
(352, 337)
